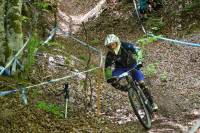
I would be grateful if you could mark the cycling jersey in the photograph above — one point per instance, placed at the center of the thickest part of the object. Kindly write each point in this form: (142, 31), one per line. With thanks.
(124, 58)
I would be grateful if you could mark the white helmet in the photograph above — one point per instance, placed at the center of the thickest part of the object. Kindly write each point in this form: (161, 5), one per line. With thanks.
(111, 38)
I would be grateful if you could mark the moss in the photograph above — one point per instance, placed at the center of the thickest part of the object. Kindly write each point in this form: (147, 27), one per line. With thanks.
(2, 35)
(15, 20)
(17, 27)
(2, 56)
(15, 2)
(2, 3)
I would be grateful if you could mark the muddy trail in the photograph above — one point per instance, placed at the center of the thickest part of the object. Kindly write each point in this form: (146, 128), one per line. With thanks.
(172, 72)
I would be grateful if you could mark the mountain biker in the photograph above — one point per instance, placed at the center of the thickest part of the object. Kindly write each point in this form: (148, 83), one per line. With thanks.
(121, 57)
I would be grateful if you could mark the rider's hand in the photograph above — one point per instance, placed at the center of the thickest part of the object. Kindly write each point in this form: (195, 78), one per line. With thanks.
(139, 64)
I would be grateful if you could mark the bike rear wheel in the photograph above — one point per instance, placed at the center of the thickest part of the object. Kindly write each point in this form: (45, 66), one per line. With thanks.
(139, 107)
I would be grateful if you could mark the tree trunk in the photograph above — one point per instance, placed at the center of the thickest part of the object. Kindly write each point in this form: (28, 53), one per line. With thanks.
(2, 33)
(11, 37)
(14, 33)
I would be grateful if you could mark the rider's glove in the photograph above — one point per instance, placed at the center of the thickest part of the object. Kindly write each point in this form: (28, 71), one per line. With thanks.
(139, 64)
(139, 58)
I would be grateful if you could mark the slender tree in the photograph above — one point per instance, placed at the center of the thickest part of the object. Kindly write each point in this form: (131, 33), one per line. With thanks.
(10, 29)
(2, 33)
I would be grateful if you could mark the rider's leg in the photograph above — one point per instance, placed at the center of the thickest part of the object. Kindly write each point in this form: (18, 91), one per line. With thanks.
(139, 76)
(117, 72)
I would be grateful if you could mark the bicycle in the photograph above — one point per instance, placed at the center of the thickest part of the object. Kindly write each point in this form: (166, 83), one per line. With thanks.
(140, 104)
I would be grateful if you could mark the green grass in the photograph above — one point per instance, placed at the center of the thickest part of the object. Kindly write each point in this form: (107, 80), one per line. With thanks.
(56, 45)
(150, 69)
(32, 49)
(51, 108)
(155, 23)
(42, 5)
(84, 58)
(95, 42)
(164, 76)
(146, 40)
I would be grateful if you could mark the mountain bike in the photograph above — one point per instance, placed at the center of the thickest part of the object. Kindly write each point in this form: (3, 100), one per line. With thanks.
(140, 104)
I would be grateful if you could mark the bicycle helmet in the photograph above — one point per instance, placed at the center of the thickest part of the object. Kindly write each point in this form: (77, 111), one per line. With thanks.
(111, 38)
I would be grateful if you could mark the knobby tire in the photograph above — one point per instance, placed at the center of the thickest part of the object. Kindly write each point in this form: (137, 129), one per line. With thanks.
(146, 123)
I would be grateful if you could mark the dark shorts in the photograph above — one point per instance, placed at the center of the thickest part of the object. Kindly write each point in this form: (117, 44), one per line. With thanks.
(137, 75)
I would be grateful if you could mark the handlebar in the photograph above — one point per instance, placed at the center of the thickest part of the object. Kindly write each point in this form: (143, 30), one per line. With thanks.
(123, 75)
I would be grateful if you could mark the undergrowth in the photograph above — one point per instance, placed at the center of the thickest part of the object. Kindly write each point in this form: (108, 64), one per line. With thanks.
(32, 49)
(51, 108)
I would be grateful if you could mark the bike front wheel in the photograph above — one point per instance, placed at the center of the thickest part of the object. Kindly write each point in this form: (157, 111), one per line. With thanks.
(139, 107)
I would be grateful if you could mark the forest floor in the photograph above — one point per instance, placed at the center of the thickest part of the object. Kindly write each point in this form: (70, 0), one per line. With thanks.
(172, 72)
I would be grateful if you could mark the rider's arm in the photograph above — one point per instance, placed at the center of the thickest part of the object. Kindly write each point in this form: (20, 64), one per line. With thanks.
(108, 73)
(137, 52)
(108, 66)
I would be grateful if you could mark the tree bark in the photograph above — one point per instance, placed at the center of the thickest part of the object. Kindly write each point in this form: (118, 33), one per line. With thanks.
(11, 36)
(2, 33)
(13, 25)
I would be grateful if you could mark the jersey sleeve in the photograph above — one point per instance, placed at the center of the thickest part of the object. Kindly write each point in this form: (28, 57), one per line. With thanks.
(108, 65)
(134, 49)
